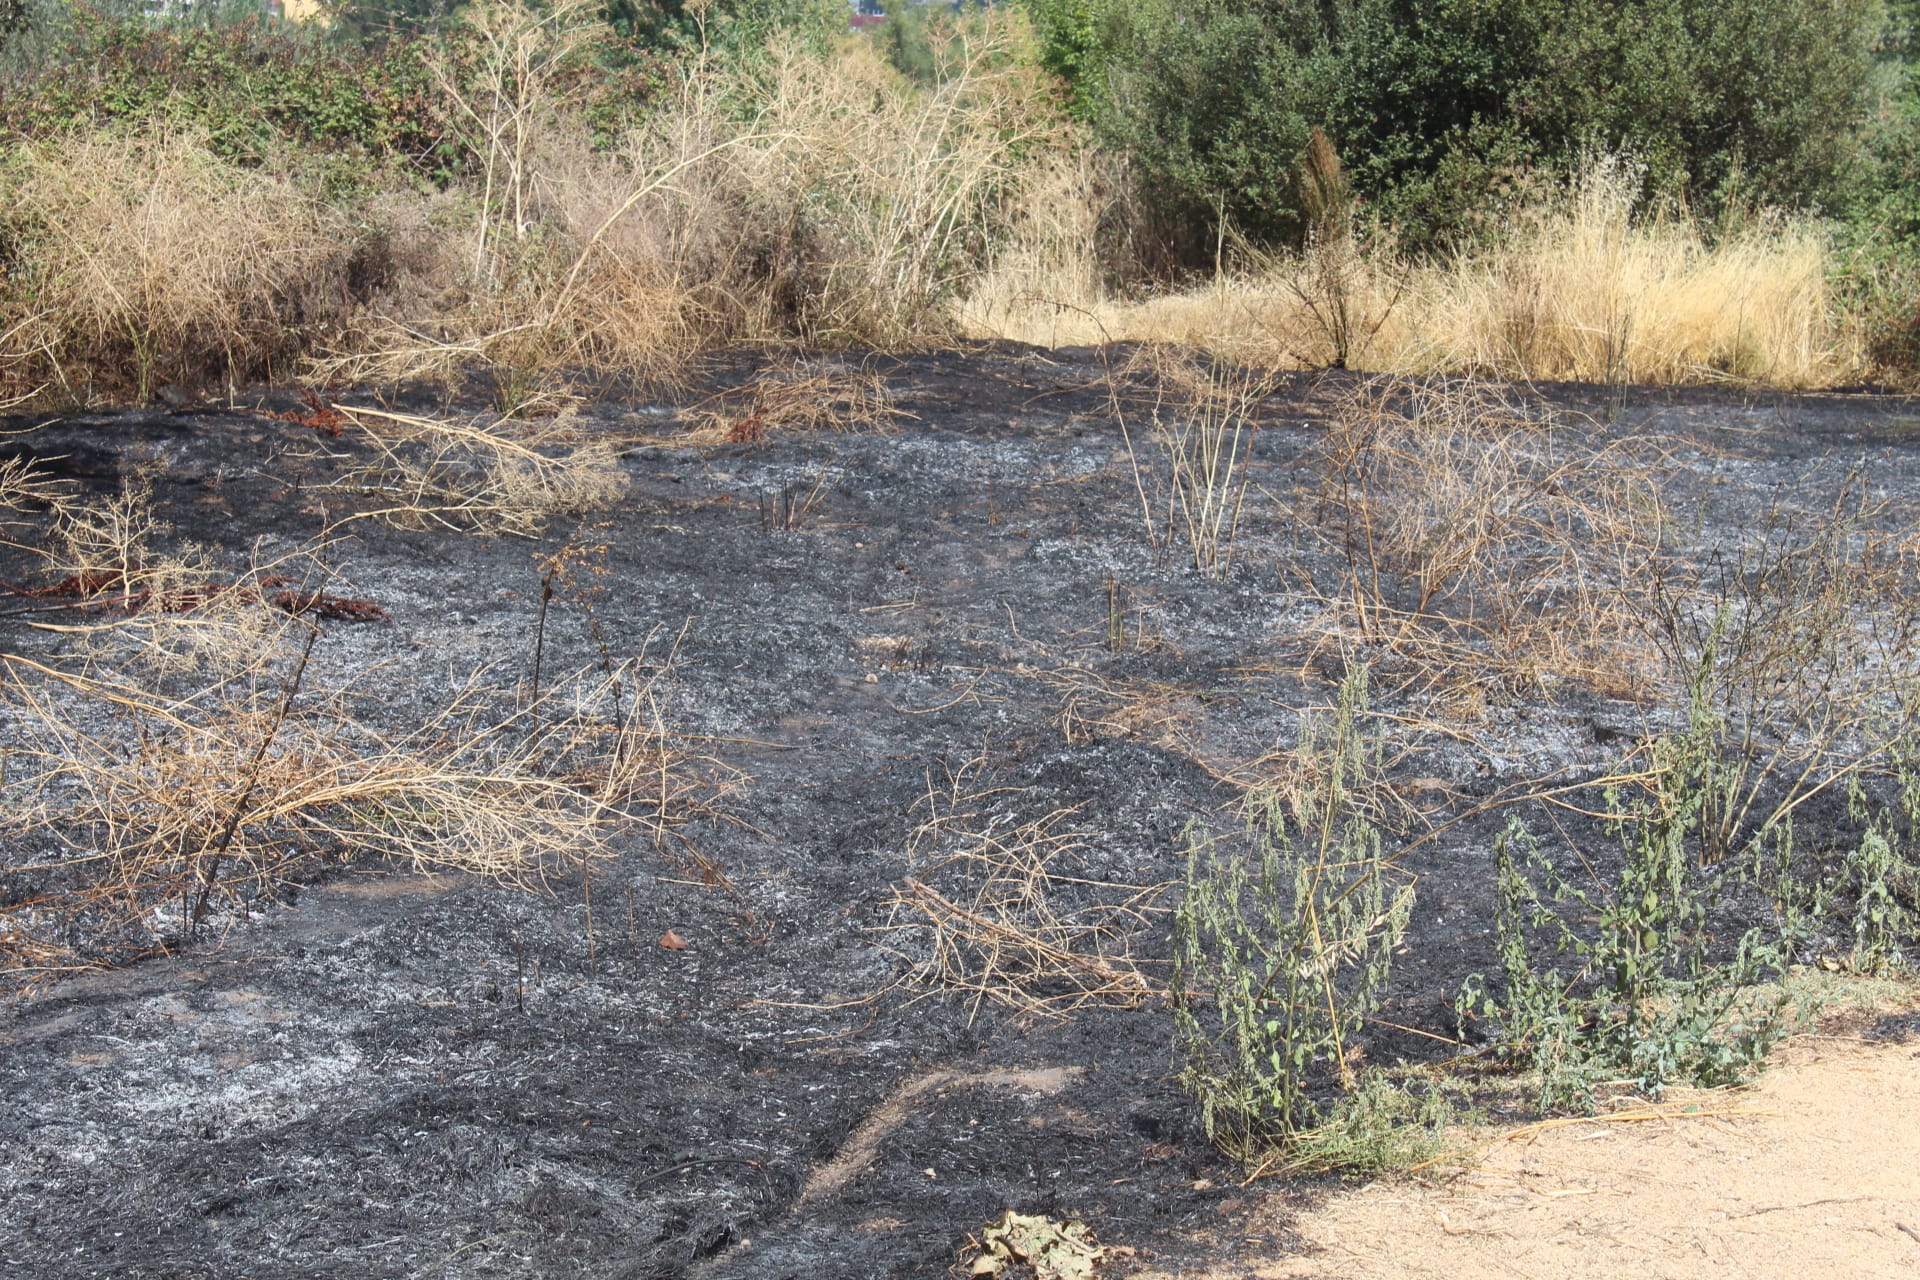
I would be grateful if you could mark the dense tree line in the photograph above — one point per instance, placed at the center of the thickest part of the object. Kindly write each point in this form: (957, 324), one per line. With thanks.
(1442, 111)
(1437, 106)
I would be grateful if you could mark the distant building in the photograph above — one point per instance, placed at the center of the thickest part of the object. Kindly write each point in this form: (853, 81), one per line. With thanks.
(297, 10)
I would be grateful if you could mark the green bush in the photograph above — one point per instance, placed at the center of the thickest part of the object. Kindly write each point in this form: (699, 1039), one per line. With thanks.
(1882, 872)
(1436, 105)
(1212, 102)
(1071, 46)
(1617, 983)
(251, 89)
(1281, 950)
(258, 92)
(731, 28)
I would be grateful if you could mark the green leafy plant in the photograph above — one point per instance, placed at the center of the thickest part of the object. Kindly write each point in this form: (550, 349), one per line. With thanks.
(1799, 652)
(1886, 923)
(254, 91)
(1282, 948)
(1881, 871)
(1382, 1126)
(1618, 983)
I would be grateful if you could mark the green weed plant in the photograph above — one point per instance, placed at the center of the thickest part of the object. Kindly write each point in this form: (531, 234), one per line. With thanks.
(1283, 945)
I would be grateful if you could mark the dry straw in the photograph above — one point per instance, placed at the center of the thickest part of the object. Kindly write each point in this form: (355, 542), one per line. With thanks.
(1464, 532)
(1584, 284)
(192, 748)
(488, 476)
(825, 198)
(994, 911)
(152, 259)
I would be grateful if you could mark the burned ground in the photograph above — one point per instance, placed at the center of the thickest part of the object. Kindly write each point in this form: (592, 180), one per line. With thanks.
(385, 1072)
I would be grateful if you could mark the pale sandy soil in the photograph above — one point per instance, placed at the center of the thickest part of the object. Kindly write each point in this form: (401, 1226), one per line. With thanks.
(1812, 1172)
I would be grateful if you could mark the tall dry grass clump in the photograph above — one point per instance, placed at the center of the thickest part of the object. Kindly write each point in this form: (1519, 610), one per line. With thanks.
(812, 196)
(818, 197)
(1045, 280)
(139, 256)
(532, 266)
(1588, 287)
(899, 193)
(1203, 418)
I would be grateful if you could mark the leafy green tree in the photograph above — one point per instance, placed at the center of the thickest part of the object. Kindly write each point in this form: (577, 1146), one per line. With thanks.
(1072, 48)
(1434, 104)
(906, 42)
(1742, 99)
(734, 28)
(1213, 101)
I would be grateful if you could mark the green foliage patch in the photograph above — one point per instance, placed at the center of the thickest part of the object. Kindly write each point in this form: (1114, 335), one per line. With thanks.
(1282, 949)
(1437, 105)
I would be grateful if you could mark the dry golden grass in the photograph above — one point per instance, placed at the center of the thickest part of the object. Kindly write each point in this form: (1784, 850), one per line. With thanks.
(152, 259)
(1044, 281)
(1202, 421)
(554, 268)
(1583, 286)
(896, 186)
(1478, 544)
(822, 198)
(185, 753)
(484, 477)
(795, 396)
(135, 800)
(1583, 290)
(827, 199)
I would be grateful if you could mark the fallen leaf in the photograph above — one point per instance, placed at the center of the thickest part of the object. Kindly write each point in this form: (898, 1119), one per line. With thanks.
(1039, 1246)
(672, 941)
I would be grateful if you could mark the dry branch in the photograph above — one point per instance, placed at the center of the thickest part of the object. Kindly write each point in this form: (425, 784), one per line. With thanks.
(994, 914)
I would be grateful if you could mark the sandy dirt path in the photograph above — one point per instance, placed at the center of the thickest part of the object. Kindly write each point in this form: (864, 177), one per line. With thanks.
(1812, 1172)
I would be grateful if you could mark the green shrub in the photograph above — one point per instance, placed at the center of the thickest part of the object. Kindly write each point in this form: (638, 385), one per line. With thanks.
(1381, 1127)
(251, 90)
(1617, 983)
(1212, 102)
(1282, 949)
(1882, 873)
(1438, 105)
(1748, 100)
(1071, 47)
(739, 29)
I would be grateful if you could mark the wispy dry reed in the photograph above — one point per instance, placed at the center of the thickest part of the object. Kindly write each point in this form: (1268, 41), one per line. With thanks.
(147, 258)
(1586, 284)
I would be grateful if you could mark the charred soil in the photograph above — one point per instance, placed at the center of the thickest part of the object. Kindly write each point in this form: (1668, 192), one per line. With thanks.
(714, 1054)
